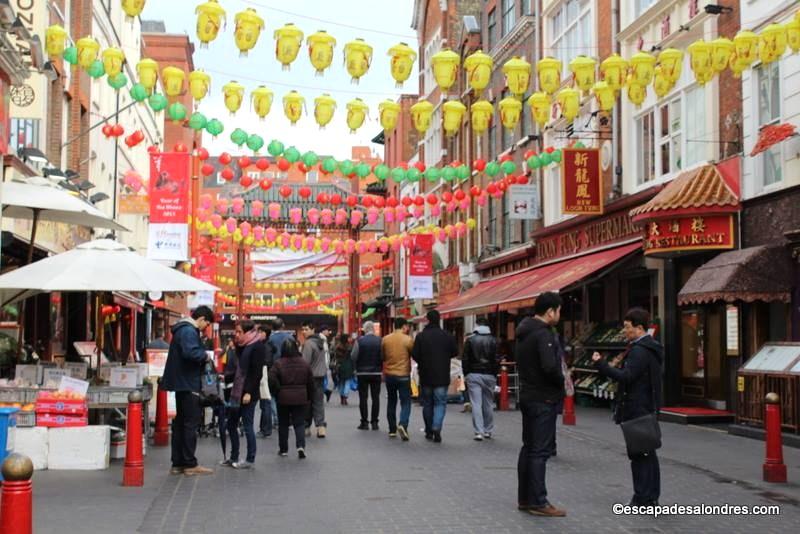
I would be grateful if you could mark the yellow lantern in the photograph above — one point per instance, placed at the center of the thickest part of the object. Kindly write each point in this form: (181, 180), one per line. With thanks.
(772, 43)
(324, 106)
(357, 57)
(569, 100)
(113, 58)
(518, 75)
(210, 17)
(671, 62)
(445, 68)
(540, 105)
(320, 50)
(356, 113)
(636, 91)
(388, 113)
(148, 73)
(55, 40)
(642, 66)
(745, 44)
(549, 72)
(604, 95)
(172, 79)
(261, 99)
(234, 94)
(199, 83)
(288, 40)
(510, 111)
(403, 57)
(88, 48)
(615, 71)
(737, 66)
(582, 68)
(661, 85)
(293, 106)
(721, 52)
(793, 34)
(132, 8)
(700, 55)
(481, 115)
(247, 30)
(479, 70)
(421, 115)
(453, 112)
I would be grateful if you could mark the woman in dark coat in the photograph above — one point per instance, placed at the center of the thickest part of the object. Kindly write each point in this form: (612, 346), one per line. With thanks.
(344, 367)
(292, 379)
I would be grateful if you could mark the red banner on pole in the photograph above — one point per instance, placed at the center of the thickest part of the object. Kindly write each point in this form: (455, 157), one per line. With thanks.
(582, 180)
(420, 267)
(205, 268)
(169, 187)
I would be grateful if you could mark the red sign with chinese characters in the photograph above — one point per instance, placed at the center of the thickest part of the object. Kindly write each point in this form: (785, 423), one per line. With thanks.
(169, 187)
(689, 233)
(582, 181)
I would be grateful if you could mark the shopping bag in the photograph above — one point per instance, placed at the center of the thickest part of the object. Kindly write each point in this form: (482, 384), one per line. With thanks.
(354, 384)
(264, 385)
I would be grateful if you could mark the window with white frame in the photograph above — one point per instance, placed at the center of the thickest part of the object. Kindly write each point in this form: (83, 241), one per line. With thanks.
(509, 15)
(491, 28)
(312, 177)
(640, 6)
(670, 142)
(527, 7)
(553, 209)
(571, 31)
(645, 150)
(769, 113)
(694, 120)
(433, 141)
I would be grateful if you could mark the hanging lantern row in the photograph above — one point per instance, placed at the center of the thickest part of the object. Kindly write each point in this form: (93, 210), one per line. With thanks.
(318, 304)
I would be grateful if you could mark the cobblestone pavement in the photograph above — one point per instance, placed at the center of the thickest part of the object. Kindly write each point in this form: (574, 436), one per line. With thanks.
(364, 482)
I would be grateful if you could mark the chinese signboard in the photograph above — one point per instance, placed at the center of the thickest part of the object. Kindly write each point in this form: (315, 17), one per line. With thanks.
(523, 202)
(449, 284)
(420, 267)
(689, 233)
(608, 230)
(582, 181)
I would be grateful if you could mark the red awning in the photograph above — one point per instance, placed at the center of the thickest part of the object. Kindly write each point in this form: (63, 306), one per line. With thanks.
(772, 135)
(477, 300)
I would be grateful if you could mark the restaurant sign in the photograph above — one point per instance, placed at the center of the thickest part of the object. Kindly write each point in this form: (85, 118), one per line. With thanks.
(689, 233)
(582, 181)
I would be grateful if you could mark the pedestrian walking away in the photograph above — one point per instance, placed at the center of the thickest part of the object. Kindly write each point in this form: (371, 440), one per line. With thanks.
(314, 355)
(186, 359)
(367, 356)
(292, 382)
(396, 348)
(268, 413)
(541, 386)
(344, 367)
(639, 379)
(433, 350)
(480, 366)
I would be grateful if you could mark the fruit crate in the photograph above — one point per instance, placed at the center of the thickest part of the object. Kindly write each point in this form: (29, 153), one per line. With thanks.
(61, 421)
(61, 406)
(26, 419)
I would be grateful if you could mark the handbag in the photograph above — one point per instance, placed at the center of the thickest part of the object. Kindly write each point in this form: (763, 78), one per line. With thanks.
(643, 434)
(264, 385)
(211, 388)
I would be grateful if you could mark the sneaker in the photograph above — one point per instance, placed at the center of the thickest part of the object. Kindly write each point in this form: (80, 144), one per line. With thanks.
(437, 436)
(263, 435)
(243, 465)
(283, 454)
(392, 434)
(308, 432)
(467, 408)
(374, 426)
(176, 471)
(321, 432)
(429, 436)
(403, 433)
(487, 435)
(478, 437)
(301, 453)
(197, 471)
(548, 510)
(363, 426)
(227, 463)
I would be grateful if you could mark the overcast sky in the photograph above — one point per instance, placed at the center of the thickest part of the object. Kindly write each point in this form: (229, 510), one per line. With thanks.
(381, 24)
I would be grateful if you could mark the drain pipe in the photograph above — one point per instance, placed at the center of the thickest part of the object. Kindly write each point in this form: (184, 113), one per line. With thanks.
(616, 179)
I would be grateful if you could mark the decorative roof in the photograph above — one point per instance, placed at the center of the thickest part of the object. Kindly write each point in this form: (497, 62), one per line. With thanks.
(703, 187)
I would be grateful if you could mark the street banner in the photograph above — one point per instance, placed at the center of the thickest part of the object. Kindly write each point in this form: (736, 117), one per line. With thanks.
(168, 242)
(582, 181)
(280, 266)
(169, 187)
(523, 202)
(420, 267)
(205, 268)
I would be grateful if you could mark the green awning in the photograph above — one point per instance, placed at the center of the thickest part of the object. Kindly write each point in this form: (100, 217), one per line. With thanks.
(368, 313)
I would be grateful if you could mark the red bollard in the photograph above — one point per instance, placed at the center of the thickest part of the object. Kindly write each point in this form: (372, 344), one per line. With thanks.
(774, 468)
(16, 500)
(133, 472)
(568, 415)
(503, 403)
(161, 432)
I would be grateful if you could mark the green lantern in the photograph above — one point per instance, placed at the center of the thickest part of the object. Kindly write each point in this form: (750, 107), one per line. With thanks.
(381, 172)
(362, 170)
(492, 169)
(292, 155)
(96, 69)
(197, 121)
(310, 159)
(579, 144)
(138, 92)
(117, 82)
(215, 127)
(177, 112)
(432, 174)
(275, 148)
(239, 137)
(347, 167)
(534, 162)
(398, 174)
(449, 174)
(158, 102)
(508, 167)
(413, 174)
(255, 142)
(71, 55)
(556, 155)
(328, 165)
(462, 172)
(546, 159)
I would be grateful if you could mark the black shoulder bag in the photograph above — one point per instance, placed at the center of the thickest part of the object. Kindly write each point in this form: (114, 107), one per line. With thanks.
(643, 434)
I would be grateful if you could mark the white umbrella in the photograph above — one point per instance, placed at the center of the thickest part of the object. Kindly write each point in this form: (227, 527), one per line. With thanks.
(101, 265)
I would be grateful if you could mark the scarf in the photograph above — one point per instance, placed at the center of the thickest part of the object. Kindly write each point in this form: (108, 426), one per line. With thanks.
(238, 380)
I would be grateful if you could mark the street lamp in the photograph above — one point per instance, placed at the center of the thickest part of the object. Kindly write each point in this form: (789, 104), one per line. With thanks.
(33, 155)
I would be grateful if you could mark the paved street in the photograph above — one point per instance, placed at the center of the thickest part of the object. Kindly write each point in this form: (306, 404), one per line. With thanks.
(363, 482)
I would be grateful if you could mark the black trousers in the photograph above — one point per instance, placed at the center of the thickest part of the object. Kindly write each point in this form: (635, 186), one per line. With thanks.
(369, 385)
(296, 415)
(188, 414)
(646, 478)
(538, 435)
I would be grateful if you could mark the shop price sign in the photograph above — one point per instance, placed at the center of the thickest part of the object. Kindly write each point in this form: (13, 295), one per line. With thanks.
(582, 181)
(696, 232)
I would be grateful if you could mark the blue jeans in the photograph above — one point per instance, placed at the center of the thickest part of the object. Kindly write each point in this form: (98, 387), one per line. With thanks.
(434, 406)
(538, 436)
(246, 413)
(265, 421)
(398, 385)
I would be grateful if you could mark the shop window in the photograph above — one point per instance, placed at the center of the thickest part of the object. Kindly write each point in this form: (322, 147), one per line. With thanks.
(553, 209)
(509, 15)
(692, 344)
(24, 134)
(491, 28)
(571, 31)
(433, 140)
(769, 112)
(645, 138)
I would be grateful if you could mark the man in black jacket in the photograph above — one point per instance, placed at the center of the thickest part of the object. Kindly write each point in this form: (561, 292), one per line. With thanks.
(541, 388)
(639, 394)
(433, 350)
(185, 362)
(480, 365)
(368, 357)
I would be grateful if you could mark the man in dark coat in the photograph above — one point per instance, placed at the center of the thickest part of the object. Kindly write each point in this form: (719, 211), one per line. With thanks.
(639, 394)
(480, 365)
(367, 354)
(185, 361)
(541, 388)
(433, 350)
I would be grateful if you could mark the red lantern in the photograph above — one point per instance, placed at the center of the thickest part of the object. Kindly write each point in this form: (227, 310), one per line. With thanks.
(202, 153)
(302, 167)
(244, 162)
(323, 198)
(447, 197)
(549, 149)
(227, 174)
(180, 147)
(367, 201)
(403, 165)
(522, 179)
(245, 181)
(461, 195)
(529, 154)
(392, 202)
(419, 200)
(491, 188)
(285, 191)
(479, 165)
(510, 180)
(407, 201)
(117, 130)
(265, 184)
(502, 186)
(475, 191)
(130, 142)
(283, 164)
(207, 169)
(352, 201)
(380, 202)
(153, 149)
(106, 129)
(225, 158)
(336, 199)
(420, 166)
(262, 164)
(304, 192)
(506, 157)
(432, 199)
(456, 164)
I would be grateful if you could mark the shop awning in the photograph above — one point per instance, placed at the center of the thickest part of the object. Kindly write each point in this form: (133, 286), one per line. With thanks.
(756, 273)
(476, 300)
(772, 135)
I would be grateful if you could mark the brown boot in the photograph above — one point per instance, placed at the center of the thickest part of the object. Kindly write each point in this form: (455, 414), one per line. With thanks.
(548, 510)
(197, 471)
